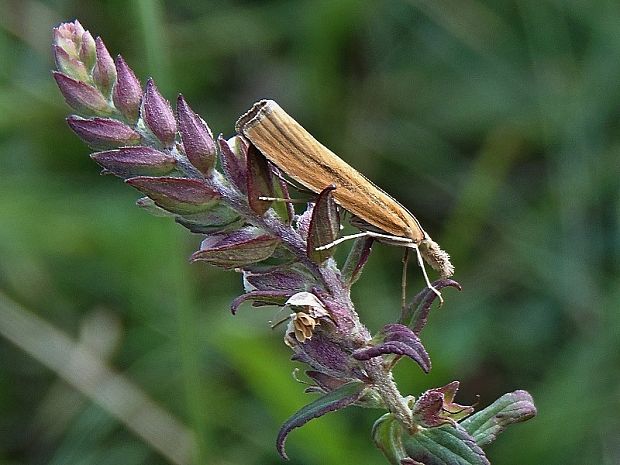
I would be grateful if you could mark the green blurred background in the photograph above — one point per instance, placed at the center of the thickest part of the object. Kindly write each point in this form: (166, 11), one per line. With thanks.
(495, 122)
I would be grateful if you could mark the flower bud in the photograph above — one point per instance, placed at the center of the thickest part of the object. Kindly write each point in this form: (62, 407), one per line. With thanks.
(236, 249)
(197, 138)
(103, 133)
(233, 156)
(324, 226)
(70, 65)
(158, 116)
(259, 181)
(87, 52)
(81, 97)
(134, 161)
(127, 93)
(68, 36)
(177, 195)
(104, 72)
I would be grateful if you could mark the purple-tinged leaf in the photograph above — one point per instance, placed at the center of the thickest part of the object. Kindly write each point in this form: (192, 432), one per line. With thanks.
(395, 348)
(104, 72)
(322, 354)
(281, 257)
(87, 51)
(158, 116)
(69, 65)
(135, 161)
(398, 340)
(415, 315)
(177, 195)
(197, 138)
(303, 221)
(357, 258)
(80, 96)
(324, 226)
(219, 218)
(103, 133)
(233, 157)
(487, 424)
(236, 249)
(261, 298)
(127, 92)
(287, 278)
(335, 400)
(259, 181)
(324, 382)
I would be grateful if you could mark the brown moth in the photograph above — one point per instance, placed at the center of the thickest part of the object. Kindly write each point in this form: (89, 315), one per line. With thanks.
(285, 143)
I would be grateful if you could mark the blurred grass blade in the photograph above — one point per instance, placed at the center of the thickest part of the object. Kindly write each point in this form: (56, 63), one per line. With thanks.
(86, 372)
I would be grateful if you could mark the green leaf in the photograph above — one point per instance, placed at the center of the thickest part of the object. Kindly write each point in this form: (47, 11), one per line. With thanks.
(387, 433)
(487, 424)
(335, 400)
(447, 445)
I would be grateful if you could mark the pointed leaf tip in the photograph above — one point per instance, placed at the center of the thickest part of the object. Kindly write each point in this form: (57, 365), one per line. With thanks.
(335, 400)
(415, 315)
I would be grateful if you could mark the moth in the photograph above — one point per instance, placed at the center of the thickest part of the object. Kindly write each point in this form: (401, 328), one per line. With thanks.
(286, 144)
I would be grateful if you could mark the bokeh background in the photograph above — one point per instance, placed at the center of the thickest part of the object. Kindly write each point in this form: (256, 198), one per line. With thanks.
(496, 122)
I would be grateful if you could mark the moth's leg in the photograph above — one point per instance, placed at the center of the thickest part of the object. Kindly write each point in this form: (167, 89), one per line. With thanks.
(280, 199)
(342, 239)
(428, 282)
(403, 282)
(375, 235)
